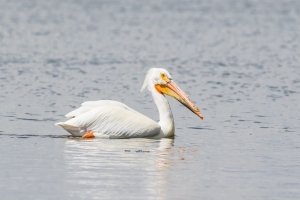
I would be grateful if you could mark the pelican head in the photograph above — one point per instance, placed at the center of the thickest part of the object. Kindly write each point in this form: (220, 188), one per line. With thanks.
(161, 80)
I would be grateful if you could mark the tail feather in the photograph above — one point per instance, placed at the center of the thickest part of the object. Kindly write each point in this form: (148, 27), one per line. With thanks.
(75, 131)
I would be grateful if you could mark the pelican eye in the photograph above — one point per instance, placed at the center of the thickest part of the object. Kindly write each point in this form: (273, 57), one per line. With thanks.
(165, 77)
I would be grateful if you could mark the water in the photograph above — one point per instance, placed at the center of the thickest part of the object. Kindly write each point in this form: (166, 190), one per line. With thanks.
(239, 60)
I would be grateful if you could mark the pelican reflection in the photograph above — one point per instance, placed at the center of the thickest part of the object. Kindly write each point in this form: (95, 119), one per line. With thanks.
(107, 168)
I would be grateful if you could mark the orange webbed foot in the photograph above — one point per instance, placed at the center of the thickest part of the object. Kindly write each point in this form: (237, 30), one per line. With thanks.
(88, 135)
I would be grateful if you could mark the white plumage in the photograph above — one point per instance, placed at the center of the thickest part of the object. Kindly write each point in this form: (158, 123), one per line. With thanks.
(112, 119)
(89, 105)
(109, 119)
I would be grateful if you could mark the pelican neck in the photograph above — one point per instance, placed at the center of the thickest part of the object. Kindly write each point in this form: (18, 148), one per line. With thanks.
(166, 120)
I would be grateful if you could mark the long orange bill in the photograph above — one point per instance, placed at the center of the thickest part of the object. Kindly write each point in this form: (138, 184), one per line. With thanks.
(173, 90)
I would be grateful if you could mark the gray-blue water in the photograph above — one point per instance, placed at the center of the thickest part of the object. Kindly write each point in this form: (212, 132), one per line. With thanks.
(239, 61)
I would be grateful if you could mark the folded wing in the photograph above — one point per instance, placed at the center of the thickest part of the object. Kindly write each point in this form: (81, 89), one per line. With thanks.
(110, 119)
(89, 105)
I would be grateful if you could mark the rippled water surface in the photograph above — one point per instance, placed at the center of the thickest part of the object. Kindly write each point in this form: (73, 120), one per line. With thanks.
(239, 60)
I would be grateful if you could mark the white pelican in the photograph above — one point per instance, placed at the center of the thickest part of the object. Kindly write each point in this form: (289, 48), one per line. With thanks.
(112, 119)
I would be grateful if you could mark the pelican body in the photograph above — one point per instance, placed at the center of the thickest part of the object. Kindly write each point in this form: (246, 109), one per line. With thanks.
(112, 119)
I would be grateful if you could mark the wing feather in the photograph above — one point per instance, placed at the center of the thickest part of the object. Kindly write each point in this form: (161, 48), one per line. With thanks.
(114, 120)
(89, 105)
